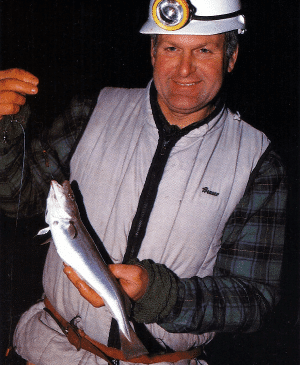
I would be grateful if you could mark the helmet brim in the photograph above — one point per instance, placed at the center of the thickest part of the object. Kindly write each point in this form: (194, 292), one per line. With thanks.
(198, 27)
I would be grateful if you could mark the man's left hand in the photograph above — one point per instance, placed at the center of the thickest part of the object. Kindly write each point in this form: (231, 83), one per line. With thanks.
(133, 279)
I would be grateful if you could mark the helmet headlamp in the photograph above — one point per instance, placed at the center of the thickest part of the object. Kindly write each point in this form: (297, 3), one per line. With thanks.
(170, 14)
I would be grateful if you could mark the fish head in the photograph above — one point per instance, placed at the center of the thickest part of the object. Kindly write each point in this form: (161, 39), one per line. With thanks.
(61, 204)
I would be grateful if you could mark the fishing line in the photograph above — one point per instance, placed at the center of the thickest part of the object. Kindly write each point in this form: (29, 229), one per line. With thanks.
(15, 237)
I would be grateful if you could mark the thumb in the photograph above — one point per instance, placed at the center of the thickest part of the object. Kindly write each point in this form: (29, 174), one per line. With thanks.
(128, 272)
(133, 279)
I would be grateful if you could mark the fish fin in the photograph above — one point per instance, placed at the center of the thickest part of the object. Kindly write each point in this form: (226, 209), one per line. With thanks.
(72, 230)
(50, 240)
(39, 240)
(133, 348)
(43, 231)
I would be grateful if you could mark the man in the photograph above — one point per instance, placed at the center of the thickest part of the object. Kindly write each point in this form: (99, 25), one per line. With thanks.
(186, 197)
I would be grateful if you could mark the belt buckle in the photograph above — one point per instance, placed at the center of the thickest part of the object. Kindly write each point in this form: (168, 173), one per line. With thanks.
(72, 333)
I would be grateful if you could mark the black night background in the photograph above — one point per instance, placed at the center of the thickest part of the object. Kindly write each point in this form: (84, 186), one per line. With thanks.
(81, 46)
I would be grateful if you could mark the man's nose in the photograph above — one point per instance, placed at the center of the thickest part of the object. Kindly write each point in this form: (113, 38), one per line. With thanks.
(186, 65)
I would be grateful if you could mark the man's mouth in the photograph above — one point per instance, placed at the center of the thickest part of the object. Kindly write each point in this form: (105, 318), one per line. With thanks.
(186, 83)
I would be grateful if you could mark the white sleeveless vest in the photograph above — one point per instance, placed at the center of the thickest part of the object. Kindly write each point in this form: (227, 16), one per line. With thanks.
(184, 230)
(204, 179)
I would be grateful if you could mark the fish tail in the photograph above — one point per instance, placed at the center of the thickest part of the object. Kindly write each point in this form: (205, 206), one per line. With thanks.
(134, 347)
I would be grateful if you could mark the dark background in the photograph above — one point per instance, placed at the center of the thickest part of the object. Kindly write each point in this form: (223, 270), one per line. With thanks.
(80, 46)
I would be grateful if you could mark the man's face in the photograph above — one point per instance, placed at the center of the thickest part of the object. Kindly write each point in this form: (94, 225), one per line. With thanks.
(188, 72)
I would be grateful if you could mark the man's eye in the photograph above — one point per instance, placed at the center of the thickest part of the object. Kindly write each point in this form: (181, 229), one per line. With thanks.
(171, 49)
(204, 50)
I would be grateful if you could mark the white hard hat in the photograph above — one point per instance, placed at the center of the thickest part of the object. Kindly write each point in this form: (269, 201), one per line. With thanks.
(195, 17)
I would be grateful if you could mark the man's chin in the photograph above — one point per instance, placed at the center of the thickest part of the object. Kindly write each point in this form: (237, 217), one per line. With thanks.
(186, 108)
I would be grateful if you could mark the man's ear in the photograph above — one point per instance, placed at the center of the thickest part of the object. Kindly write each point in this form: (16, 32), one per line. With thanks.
(232, 60)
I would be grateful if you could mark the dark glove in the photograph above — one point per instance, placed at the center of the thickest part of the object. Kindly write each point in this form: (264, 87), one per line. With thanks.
(160, 296)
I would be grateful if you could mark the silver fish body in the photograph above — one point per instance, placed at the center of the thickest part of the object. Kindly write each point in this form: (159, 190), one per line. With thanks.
(77, 249)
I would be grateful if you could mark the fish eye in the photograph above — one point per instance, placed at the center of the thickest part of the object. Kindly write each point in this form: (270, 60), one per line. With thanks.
(71, 196)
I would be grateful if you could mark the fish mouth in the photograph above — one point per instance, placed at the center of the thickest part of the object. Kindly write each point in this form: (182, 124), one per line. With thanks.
(56, 193)
(62, 192)
(58, 200)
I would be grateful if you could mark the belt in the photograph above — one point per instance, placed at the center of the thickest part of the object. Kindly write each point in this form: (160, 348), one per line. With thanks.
(81, 340)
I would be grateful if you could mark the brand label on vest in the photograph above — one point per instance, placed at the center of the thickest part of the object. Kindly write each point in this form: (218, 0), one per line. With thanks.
(207, 191)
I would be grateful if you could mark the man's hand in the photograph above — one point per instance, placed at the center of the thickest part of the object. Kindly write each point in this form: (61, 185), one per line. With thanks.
(133, 279)
(15, 84)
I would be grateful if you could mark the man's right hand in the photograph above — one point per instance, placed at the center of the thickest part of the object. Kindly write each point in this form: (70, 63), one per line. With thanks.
(15, 84)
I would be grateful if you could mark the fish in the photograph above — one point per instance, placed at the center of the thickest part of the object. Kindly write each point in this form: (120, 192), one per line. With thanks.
(77, 249)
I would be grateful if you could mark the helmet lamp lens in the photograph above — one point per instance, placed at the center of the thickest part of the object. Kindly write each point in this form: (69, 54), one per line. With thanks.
(170, 12)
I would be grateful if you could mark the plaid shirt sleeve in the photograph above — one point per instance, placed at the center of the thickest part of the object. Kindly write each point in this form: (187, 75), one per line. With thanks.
(46, 158)
(244, 287)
